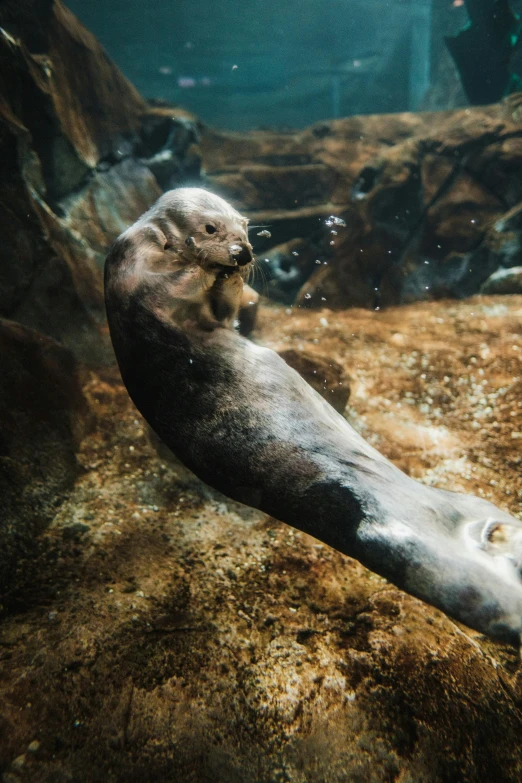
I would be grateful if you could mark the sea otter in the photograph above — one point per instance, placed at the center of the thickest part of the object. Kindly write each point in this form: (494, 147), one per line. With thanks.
(247, 424)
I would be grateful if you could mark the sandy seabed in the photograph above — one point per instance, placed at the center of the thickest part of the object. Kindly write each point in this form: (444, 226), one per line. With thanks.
(166, 633)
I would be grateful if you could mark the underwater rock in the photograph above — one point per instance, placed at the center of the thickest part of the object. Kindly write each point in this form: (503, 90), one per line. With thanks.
(504, 281)
(76, 107)
(419, 193)
(285, 268)
(76, 138)
(245, 169)
(103, 208)
(43, 417)
(169, 146)
(325, 375)
(426, 210)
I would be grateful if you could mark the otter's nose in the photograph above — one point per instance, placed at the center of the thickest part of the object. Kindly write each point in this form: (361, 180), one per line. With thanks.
(242, 254)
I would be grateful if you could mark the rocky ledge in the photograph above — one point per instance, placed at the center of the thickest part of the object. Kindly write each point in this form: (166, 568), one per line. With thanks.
(431, 203)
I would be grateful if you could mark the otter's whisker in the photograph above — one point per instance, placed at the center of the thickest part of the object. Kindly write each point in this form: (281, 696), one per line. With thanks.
(262, 274)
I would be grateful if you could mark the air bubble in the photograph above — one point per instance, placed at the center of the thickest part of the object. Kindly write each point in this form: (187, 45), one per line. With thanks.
(335, 221)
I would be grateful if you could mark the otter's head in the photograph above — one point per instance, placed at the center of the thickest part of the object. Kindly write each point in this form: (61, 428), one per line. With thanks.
(205, 230)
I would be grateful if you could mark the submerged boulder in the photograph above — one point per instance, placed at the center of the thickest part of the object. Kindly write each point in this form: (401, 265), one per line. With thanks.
(323, 373)
(504, 281)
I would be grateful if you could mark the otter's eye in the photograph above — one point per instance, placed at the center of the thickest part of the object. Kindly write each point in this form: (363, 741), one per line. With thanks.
(210, 229)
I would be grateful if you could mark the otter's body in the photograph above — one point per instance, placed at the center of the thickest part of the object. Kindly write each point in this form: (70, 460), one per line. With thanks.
(247, 424)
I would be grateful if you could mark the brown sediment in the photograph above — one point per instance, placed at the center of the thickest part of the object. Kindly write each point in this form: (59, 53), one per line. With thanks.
(165, 632)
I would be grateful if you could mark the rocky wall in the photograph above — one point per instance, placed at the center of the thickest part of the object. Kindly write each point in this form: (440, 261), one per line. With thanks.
(82, 156)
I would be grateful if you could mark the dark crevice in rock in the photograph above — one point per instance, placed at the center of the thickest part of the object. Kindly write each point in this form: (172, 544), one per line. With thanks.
(365, 183)
(487, 187)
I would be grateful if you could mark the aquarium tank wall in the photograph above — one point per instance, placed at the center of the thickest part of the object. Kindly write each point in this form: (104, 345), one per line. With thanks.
(276, 64)
(260, 391)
